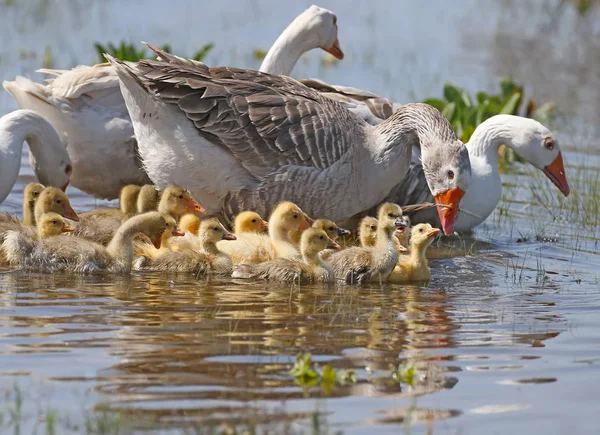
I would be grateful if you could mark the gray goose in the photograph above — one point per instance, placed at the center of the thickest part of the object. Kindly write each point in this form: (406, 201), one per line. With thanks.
(241, 139)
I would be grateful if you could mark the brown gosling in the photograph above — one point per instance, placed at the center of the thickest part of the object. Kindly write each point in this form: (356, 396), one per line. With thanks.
(312, 268)
(256, 248)
(372, 264)
(207, 260)
(414, 267)
(31, 193)
(147, 199)
(80, 255)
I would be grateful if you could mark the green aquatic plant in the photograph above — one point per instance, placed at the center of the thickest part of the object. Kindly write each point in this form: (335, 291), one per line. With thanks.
(307, 376)
(129, 52)
(405, 373)
(465, 112)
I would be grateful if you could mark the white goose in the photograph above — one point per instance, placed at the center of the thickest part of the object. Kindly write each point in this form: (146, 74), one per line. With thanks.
(48, 156)
(85, 105)
(529, 138)
(241, 139)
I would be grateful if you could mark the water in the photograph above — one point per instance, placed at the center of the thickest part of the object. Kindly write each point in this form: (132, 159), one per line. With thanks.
(505, 338)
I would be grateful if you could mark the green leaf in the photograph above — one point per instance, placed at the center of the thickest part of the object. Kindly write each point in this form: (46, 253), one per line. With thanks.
(465, 98)
(510, 107)
(328, 380)
(436, 102)
(346, 376)
(449, 110)
(452, 93)
(201, 54)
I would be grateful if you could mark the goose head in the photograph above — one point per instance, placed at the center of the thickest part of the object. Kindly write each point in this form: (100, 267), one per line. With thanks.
(177, 200)
(249, 222)
(447, 171)
(52, 224)
(147, 199)
(539, 146)
(367, 231)
(54, 200)
(211, 231)
(422, 235)
(128, 198)
(390, 218)
(331, 228)
(321, 30)
(189, 222)
(314, 240)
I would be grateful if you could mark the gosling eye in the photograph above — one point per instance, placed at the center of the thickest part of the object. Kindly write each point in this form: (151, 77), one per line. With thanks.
(331, 229)
(391, 215)
(58, 201)
(180, 196)
(373, 227)
(295, 216)
(549, 144)
(54, 222)
(451, 174)
(253, 221)
(216, 228)
(321, 237)
(36, 193)
(68, 169)
(420, 230)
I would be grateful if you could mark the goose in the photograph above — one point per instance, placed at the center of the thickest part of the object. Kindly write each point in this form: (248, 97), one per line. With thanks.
(80, 255)
(48, 157)
(414, 267)
(85, 105)
(529, 138)
(280, 140)
(372, 264)
(207, 259)
(311, 269)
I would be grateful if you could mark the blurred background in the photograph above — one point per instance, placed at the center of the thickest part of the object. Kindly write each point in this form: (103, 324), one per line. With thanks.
(403, 50)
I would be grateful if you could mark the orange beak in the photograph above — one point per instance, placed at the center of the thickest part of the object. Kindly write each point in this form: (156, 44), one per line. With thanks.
(177, 232)
(555, 171)
(332, 245)
(434, 232)
(400, 231)
(229, 236)
(64, 188)
(70, 213)
(452, 198)
(335, 50)
(264, 225)
(66, 228)
(402, 249)
(304, 225)
(156, 242)
(195, 207)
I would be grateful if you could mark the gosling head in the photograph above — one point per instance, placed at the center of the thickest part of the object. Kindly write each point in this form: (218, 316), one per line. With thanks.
(390, 217)
(154, 225)
(177, 200)
(52, 199)
(189, 222)
(171, 229)
(288, 216)
(367, 232)
(52, 224)
(211, 231)
(249, 222)
(128, 198)
(422, 235)
(314, 240)
(402, 231)
(148, 198)
(32, 192)
(331, 228)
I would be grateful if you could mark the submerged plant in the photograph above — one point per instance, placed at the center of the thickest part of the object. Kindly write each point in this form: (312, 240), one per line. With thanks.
(129, 52)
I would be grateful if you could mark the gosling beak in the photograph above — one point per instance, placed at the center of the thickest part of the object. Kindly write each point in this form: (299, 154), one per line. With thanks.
(452, 198)
(335, 50)
(555, 171)
(402, 249)
(309, 219)
(400, 222)
(177, 232)
(70, 213)
(332, 245)
(400, 231)
(64, 188)
(304, 225)
(264, 225)
(156, 242)
(341, 232)
(434, 232)
(228, 236)
(66, 228)
(195, 207)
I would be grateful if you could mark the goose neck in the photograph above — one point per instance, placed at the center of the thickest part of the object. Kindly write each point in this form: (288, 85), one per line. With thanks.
(487, 138)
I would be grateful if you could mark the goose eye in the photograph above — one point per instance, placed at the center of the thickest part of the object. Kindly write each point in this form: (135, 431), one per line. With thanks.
(549, 144)
(451, 174)
(68, 169)
(58, 201)
(334, 20)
